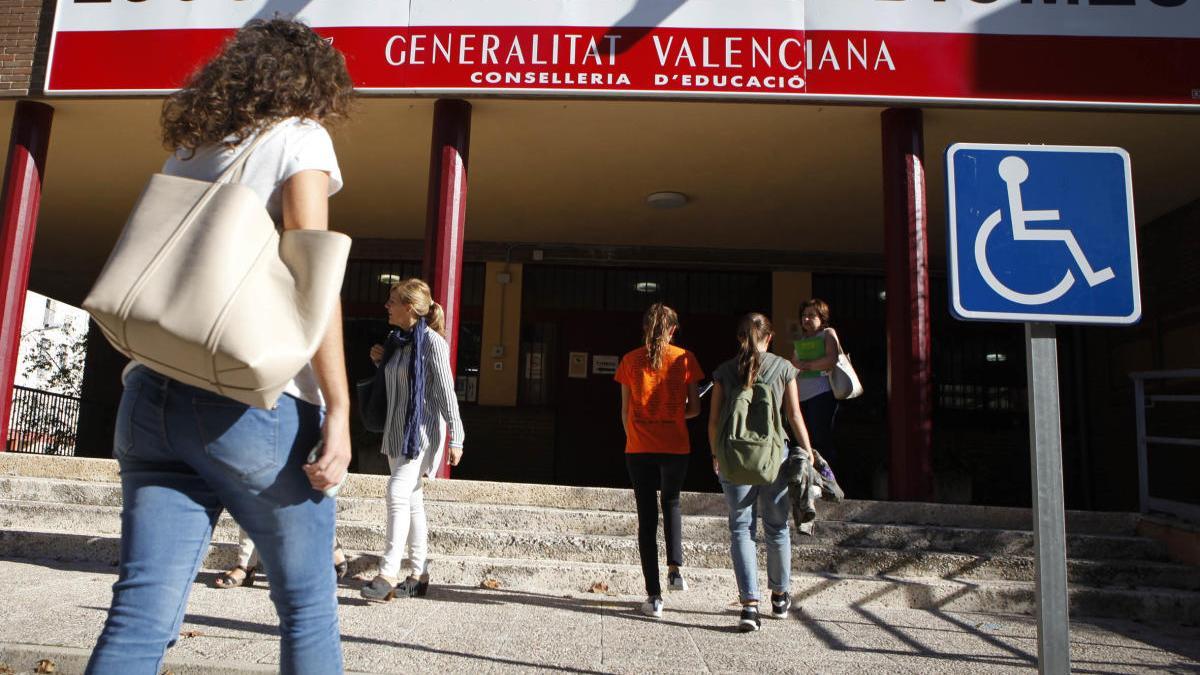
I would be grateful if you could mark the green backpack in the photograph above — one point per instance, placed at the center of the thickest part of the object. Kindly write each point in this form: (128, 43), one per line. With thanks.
(751, 442)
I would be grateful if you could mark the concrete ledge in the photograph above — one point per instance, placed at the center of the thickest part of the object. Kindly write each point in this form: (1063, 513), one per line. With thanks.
(470, 566)
(33, 522)
(1181, 538)
(621, 500)
(57, 504)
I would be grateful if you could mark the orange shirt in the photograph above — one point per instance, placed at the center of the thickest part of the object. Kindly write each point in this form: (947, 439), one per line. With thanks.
(657, 400)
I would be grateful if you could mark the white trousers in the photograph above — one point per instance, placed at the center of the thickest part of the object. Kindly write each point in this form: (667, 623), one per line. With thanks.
(247, 556)
(406, 526)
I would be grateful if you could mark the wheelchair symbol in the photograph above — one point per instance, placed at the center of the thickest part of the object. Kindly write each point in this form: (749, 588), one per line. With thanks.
(1014, 171)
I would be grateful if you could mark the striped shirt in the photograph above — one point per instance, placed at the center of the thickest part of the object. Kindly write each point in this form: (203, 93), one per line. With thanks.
(441, 404)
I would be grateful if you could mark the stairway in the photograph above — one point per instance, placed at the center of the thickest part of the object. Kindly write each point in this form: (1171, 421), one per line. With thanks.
(553, 539)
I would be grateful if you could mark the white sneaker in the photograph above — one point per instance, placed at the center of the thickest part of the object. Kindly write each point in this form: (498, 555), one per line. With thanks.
(749, 622)
(652, 607)
(676, 582)
(780, 604)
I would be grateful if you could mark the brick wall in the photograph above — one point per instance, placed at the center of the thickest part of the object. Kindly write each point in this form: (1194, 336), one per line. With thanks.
(24, 45)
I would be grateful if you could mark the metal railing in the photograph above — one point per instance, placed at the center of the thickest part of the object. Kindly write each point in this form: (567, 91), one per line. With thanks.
(1171, 392)
(42, 422)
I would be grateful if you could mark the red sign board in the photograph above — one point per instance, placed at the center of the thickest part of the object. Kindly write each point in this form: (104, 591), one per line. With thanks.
(851, 50)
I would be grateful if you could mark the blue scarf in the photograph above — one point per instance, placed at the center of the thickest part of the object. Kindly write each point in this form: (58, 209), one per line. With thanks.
(415, 410)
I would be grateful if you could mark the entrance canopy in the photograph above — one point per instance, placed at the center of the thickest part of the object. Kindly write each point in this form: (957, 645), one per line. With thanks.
(798, 178)
(1138, 53)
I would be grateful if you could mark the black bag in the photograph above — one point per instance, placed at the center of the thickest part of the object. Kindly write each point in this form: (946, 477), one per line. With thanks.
(372, 396)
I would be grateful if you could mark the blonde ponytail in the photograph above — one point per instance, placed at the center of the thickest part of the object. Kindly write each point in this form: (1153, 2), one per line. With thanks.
(436, 319)
(416, 293)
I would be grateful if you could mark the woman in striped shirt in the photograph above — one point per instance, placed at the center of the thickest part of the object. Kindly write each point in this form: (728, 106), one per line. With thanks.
(421, 405)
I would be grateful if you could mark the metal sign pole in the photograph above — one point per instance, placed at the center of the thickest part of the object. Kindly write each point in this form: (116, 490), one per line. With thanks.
(1049, 516)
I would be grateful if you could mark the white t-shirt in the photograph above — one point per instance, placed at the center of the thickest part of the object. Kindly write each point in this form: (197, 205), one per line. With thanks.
(294, 145)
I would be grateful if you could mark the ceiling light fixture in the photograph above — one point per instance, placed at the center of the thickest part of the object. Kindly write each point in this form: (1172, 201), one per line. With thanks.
(666, 200)
(646, 287)
(389, 279)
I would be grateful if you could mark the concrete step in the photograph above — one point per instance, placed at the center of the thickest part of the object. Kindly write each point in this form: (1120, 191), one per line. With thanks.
(974, 541)
(808, 556)
(715, 528)
(716, 586)
(24, 475)
(61, 513)
(612, 499)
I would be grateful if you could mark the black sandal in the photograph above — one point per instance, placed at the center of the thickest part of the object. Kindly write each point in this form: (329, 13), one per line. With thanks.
(378, 589)
(340, 568)
(227, 579)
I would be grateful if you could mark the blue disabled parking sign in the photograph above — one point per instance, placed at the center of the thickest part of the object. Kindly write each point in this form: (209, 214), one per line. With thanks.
(1042, 234)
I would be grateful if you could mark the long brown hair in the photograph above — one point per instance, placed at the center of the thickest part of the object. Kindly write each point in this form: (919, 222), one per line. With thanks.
(416, 292)
(752, 329)
(268, 71)
(657, 324)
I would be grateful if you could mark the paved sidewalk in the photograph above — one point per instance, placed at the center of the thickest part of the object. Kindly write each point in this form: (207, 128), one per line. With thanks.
(55, 610)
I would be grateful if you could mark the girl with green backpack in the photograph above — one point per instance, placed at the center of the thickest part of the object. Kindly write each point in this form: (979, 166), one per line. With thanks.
(752, 394)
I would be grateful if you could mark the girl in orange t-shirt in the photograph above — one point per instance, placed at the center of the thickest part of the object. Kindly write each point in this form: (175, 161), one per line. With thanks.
(659, 383)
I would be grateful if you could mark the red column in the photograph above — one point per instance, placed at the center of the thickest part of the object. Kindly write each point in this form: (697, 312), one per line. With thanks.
(446, 214)
(18, 222)
(910, 400)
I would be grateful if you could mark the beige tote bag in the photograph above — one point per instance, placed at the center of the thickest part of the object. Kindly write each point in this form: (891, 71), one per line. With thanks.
(843, 380)
(202, 288)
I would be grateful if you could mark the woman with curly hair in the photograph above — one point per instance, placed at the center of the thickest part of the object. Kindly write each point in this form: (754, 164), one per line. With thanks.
(185, 453)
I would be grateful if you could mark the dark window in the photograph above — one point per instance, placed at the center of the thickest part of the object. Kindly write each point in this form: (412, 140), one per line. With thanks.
(366, 284)
(632, 290)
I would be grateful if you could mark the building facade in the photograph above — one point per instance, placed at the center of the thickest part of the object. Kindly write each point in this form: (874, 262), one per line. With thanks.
(520, 155)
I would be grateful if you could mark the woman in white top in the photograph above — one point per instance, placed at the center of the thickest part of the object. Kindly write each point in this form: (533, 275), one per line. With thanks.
(421, 405)
(815, 354)
(187, 454)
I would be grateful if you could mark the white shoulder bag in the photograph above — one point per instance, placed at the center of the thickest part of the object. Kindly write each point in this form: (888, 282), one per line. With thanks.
(842, 379)
(200, 287)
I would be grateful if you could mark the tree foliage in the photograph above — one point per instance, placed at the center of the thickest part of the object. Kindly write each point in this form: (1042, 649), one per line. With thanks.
(55, 358)
(45, 416)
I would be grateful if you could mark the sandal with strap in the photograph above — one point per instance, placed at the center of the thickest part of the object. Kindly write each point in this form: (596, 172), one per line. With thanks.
(379, 589)
(231, 578)
(340, 568)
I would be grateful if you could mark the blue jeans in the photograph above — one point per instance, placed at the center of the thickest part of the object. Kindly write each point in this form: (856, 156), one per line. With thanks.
(773, 508)
(185, 453)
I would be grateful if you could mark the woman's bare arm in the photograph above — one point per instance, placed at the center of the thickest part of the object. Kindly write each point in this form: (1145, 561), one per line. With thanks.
(306, 207)
(714, 421)
(625, 409)
(693, 402)
(791, 408)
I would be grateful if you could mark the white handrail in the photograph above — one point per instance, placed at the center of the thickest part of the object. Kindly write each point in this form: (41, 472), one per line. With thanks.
(1147, 501)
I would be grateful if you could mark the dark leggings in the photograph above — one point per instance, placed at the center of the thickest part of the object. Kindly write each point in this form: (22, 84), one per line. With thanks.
(650, 473)
(818, 413)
